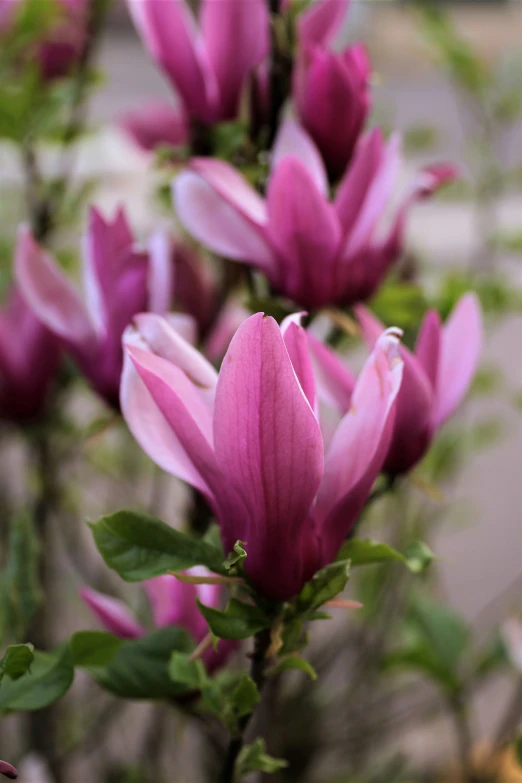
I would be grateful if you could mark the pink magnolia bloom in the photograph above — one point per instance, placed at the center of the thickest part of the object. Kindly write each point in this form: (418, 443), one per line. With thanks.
(8, 770)
(61, 43)
(207, 66)
(332, 99)
(311, 250)
(120, 281)
(172, 603)
(250, 441)
(436, 378)
(154, 124)
(28, 360)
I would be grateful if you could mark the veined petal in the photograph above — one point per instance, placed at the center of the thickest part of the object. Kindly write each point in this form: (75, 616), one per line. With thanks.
(222, 223)
(269, 447)
(305, 230)
(357, 181)
(428, 345)
(356, 452)
(113, 614)
(168, 30)
(321, 21)
(462, 339)
(183, 406)
(236, 39)
(296, 343)
(292, 139)
(51, 297)
(335, 382)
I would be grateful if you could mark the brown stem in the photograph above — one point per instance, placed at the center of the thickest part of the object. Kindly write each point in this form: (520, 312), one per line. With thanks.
(464, 737)
(511, 717)
(258, 667)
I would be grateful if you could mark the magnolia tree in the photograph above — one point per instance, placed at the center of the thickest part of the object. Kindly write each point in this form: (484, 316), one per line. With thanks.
(218, 349)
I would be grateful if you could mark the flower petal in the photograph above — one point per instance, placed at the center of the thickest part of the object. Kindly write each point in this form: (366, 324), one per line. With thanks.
(306, 232)
(168, 30)
(234, 27)
(335, 382)
(358, 448)
(156, 123)
(428, 345)
(113, 614)
(7, 769)
(292, 139)
(161, 272)
(462, 339)
(296, 343)
(47, 292)
(269, 447)
(228, 219)
(186, 413)
(321, 21)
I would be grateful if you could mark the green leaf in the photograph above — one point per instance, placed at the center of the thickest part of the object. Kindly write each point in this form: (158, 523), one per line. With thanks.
(17, 660)
(358, 551)
(323, 586)
(244, 697)
(238, 621)
(183, 670)
(50, 676)
(93, 648)
(140, 547)
(254, 758)
(417, 556)
(296, 662)
(139, 668)
(237, 556)
(293, 636)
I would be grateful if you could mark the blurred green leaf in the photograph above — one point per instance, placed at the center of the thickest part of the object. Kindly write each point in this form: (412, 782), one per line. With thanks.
(323, 586)
(420, 138)
(237, 556)
(296, 662)
(237, 621)
(366, 552)
(401, 304)
(20, 587)
(244, 697)
(16, 660)
(49, 678)
(140, 547)
(253, 758)
(93, 648)
(187, 672)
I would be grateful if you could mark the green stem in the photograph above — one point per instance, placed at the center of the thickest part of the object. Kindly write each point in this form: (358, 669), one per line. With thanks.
(464, 737)
(258, 667)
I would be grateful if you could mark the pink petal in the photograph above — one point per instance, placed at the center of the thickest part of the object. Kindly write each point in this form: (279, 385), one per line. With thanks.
(174, 603)
(7, 769)
(359, 445)
(376, 198)
(168, 31)
(150, 428)
(113, 614)
(292, 139)
(51, 297)
(371, 327)
(235, 37)
(357, 181)
(304, 228)
(296, 343)
(186, 412)
(162, 339)
(228, 220)
(428, 345)
(462, 340)
(161, 272)
(230, 319)
(269, 447)
(335, 382)
(156, 123)
(321, 21)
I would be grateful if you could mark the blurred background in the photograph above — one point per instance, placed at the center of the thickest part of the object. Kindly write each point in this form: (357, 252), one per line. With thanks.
(427, 61)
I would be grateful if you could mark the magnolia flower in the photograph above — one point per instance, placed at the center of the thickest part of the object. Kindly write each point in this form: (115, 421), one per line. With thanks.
(28, 360)
(311, 250)
(250, 441)
(330, 89)
(207, 66)
(156, 123)
(62, 40)
(120, 281)
(436, 377)
(172, 603)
